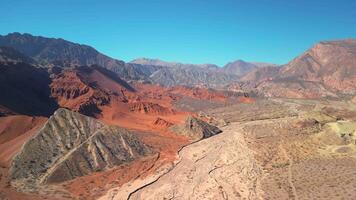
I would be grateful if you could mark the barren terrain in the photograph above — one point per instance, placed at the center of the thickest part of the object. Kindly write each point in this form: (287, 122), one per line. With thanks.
(272, 149)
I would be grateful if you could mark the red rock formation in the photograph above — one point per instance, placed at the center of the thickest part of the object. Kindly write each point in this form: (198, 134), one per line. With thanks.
(159, 122)
(85, 89)
(149, 108)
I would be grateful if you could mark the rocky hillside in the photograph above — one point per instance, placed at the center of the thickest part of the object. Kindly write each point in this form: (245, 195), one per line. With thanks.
(195, 129)
(71, 145)
(328, 69)
(332, 64)
(84, 89)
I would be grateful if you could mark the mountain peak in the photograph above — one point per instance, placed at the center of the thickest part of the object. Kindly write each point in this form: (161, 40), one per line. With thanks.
(239, 67)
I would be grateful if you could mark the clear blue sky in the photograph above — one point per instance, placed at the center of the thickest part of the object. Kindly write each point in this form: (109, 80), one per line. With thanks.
(191, 31)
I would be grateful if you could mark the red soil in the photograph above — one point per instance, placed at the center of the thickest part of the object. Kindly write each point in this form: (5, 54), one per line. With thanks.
(150, 108)
(246, 100)
(14, 131)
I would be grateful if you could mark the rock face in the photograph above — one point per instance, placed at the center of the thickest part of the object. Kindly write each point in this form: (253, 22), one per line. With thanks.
(71, 145)
(196, 129)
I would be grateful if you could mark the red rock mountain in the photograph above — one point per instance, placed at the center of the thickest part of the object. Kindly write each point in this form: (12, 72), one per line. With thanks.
(85, 89)
(332, 64)
(328, 69)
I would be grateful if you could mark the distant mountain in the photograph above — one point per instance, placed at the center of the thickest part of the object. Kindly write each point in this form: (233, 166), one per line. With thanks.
(191, 77)
(51, 52)
(264, 64)
(157, 62)
(327, 69)
(174, 73)
(59, 52)
(332, 64)
(210, 75)
(239, 67)
(236, 68)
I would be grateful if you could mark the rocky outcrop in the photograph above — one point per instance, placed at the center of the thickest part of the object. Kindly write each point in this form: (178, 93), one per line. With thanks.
(195, 129)
(149, 108)
(162, 123)
(71, 145)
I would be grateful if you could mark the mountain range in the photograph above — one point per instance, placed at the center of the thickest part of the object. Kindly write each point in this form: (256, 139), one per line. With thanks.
(327, 69)
(51, 52)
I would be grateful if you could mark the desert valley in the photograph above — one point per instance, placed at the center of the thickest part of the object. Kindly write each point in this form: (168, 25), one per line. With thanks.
(77, 124)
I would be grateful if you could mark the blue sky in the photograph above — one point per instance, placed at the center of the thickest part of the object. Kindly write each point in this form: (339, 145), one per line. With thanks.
(190, 31)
